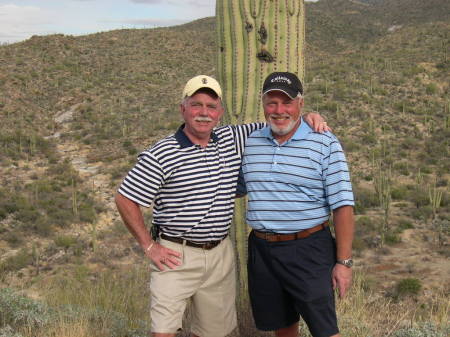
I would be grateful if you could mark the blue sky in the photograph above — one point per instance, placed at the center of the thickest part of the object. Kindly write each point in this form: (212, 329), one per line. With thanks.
(21, 19)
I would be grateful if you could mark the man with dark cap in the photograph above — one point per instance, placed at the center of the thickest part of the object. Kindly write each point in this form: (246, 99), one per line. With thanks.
(295, 178)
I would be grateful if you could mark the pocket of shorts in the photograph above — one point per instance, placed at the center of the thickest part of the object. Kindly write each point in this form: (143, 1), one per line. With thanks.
(319, 248)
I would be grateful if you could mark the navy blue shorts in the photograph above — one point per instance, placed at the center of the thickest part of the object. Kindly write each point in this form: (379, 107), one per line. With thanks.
(291, 279)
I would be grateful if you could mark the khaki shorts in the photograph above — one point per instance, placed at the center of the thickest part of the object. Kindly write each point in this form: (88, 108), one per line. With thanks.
(207, 277)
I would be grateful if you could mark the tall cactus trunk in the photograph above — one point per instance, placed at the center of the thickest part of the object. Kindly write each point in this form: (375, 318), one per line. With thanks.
(255, 38)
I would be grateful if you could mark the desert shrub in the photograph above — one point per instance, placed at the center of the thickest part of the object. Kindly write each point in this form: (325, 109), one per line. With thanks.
(13, 238)
(7, 331)
(17, 310)
(431, 89)
(17, 144)
(399, 193)
(369, 139)
(402, 168)
(64, 173)
(20, 313)
(392, 238)
(364, 199)
(359, 244)
(366, 222)
(426, 329)
(349, 145)
(408, 286)
(16, 262)
(119, 172)
(65, 241)
(422, 213)
(404, 224)
(418, 196)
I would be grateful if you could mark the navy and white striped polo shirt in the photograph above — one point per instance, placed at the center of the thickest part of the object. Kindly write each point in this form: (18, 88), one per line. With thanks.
(292, 186)
(192, 188)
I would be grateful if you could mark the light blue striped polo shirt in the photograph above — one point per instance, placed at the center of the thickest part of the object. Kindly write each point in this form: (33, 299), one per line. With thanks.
(294, 185)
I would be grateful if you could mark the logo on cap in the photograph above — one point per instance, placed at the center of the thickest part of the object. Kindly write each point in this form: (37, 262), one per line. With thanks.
(281, 79)
(204, 80)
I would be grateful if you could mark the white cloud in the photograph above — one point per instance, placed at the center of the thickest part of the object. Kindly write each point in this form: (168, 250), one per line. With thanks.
(19, 22)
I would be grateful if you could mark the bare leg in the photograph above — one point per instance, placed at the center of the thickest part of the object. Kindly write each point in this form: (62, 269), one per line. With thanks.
(290, 331)
(157, 334)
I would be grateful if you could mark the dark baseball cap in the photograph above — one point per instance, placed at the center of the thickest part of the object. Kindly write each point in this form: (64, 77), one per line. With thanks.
(285, 82)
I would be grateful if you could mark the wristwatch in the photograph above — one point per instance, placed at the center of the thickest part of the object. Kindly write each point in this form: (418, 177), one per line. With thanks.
(347, 262)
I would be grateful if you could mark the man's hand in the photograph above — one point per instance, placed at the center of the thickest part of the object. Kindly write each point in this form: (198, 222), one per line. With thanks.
(161, 256)
(316, 122)
(342, 279)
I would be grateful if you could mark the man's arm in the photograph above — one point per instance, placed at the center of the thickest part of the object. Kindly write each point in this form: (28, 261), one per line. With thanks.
(344, 226)
(132, 217)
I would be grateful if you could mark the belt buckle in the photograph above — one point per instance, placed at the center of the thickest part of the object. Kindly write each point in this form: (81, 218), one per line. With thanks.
(211, 244)
(208, 245)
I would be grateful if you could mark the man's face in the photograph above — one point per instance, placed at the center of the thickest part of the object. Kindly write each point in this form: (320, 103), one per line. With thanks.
(201, 113)
(282, 113)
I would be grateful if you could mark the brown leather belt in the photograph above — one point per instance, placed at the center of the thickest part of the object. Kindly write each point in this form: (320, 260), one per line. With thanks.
(204, 245)
(276, 237)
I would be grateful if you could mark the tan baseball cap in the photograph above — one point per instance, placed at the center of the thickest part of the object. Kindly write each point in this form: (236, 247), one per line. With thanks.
(201, 81)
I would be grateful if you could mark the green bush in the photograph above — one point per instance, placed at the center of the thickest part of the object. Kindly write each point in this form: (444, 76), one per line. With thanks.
(392, 238)
(431, 89)
(422, 213)
(364, 199)
(408, 286)
(402, 168)
(65, 241)
(404, 224)
(16, 262)
(399, 193)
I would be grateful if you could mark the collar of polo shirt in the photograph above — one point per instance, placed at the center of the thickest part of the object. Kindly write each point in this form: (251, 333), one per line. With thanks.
(299, 134)
(184, 140)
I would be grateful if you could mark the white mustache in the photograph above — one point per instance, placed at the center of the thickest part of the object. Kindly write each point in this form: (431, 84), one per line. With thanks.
(280, 115)
(203, 119)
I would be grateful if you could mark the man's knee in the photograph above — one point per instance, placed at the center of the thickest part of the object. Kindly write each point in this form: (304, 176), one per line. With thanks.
(290, 331)
(158, 334)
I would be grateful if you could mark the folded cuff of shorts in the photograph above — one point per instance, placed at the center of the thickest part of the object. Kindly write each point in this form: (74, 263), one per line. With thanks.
(275, 327)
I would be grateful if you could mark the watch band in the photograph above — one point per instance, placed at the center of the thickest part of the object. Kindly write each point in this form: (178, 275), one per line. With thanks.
(347, 262)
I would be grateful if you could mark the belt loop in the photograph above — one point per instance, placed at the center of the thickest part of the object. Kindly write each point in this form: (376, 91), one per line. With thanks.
(183, 248)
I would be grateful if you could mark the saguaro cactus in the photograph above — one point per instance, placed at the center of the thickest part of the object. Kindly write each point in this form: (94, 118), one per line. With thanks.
(255, 38)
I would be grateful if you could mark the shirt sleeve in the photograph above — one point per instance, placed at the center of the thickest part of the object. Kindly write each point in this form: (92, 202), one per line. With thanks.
(143, 181)
(241, 187)
(241, 133)
(336, 177)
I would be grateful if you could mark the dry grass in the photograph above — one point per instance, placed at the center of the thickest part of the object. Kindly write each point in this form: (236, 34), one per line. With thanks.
(117, 305)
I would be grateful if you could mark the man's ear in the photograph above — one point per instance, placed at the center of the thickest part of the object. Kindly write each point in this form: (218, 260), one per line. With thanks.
(301, 103)
(183, 108)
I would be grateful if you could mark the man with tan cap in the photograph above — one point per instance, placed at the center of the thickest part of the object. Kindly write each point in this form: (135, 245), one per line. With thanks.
(190, 177)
